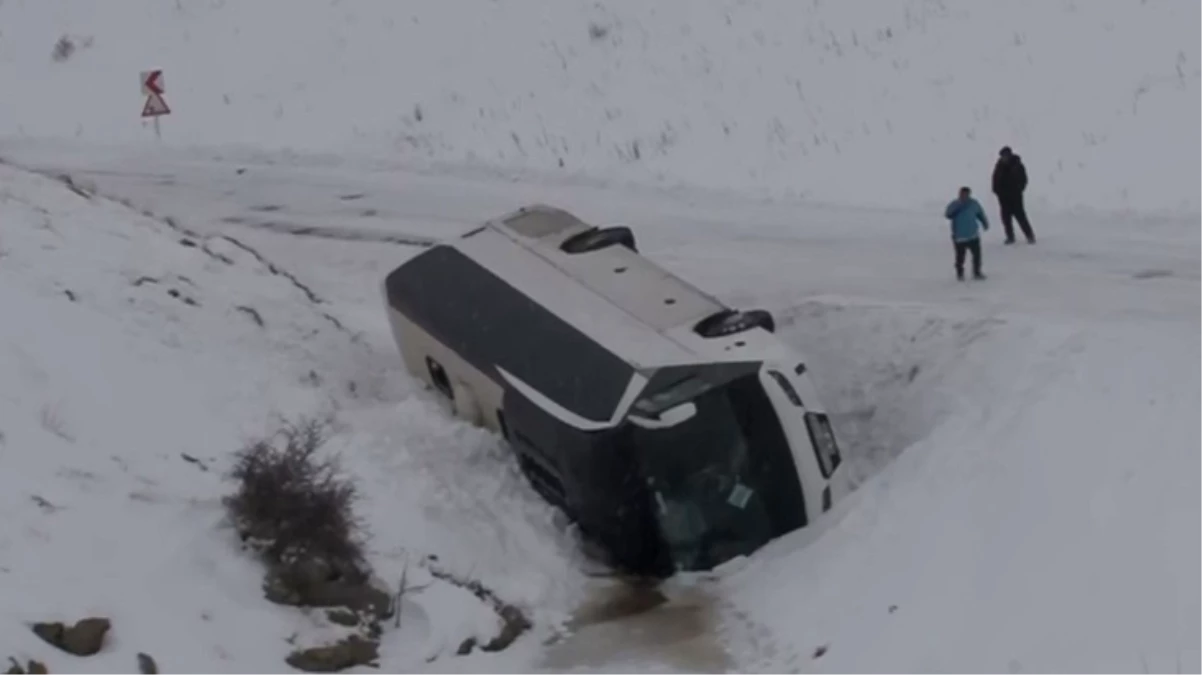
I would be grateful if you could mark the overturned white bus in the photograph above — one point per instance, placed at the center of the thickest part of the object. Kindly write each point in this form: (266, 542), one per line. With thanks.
(677, 432)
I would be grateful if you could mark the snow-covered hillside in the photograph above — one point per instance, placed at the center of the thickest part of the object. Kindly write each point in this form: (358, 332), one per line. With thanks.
(1038, 523)
(131, 364)
(135, 358)
(897, 105)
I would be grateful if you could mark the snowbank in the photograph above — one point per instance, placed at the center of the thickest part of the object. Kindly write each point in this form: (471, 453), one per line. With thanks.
(131, 362)
(1043, 517)
(135, 357)
(817, 100)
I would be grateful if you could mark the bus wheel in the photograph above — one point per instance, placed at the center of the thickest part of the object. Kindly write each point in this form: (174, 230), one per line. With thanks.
(598, 238)
(730, 321)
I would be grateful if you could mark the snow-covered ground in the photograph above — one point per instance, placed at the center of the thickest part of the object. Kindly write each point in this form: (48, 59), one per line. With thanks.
(133, 365)
(1027, 448)
(896, 106)
(1039, 519)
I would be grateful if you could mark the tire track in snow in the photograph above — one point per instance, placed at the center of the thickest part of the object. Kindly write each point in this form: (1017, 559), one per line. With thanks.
(86, 189)
(90, 192)
(361, 234)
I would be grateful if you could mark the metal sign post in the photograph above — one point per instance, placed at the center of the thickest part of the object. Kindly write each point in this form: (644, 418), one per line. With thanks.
(156, 106)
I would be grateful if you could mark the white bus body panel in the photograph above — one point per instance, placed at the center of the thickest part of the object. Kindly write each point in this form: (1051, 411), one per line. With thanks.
(627, 304)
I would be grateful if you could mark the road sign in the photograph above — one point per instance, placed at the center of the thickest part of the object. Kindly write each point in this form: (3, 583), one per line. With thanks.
(153, 88)
(155, 106)
(152, 82)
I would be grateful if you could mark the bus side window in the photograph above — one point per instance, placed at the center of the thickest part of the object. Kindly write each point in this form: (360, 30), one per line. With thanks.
(787, 386)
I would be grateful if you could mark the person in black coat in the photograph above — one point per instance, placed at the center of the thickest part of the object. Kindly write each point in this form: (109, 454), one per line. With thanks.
(1009, 182)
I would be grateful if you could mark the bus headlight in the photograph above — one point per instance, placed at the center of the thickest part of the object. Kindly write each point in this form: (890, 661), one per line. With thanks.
(822, 436)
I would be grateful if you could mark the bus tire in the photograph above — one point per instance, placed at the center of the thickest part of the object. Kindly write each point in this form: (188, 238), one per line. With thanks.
(599, 238)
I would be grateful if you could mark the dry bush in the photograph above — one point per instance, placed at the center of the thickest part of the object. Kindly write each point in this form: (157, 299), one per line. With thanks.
(63, 49)
(294, 505)
(67, 45)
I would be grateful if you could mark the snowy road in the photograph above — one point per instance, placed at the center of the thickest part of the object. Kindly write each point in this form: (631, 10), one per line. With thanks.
(1084, 267)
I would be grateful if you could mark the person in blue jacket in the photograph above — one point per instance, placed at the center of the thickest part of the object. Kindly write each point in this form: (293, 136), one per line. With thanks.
(966, 213)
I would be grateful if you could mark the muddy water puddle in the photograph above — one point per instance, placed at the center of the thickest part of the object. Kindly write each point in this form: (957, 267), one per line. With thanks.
(624, 627)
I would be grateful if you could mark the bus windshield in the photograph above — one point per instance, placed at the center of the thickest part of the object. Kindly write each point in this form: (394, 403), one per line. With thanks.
(721, 478)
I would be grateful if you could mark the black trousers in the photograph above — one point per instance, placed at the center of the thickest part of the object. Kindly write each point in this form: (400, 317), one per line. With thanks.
(963, 247)
(1013, 209)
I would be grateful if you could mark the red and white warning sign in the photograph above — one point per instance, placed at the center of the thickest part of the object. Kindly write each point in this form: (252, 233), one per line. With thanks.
(153, 88)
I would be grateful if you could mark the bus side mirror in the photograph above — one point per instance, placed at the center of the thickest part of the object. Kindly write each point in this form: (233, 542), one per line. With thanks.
(668, 418)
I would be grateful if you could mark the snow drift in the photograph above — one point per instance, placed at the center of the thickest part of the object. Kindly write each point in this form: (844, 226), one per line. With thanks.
(819, 100)
(135, 356)
(132, 358)
(1043, 516)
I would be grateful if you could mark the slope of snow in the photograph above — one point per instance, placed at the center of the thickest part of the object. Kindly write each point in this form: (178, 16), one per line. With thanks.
(1047, 521)
(819, 100)
(104, 393)
(130, 369)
